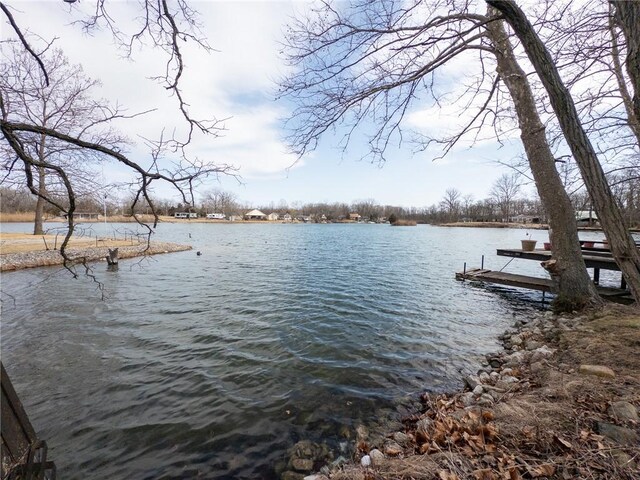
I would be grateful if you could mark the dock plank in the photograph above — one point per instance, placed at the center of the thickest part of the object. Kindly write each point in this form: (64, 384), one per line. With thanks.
(533, 283)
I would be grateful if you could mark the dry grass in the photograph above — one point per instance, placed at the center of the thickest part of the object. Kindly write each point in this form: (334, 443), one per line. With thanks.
(17, 217)
(22, 242)
(404, 223)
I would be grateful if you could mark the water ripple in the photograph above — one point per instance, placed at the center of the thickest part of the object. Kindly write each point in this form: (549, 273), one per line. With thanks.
(212, 366)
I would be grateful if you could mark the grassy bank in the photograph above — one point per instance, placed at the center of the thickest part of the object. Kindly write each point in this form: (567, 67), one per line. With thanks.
(18, 250)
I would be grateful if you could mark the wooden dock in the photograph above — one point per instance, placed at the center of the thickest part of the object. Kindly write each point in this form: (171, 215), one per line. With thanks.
(534, 283)
(504, 278)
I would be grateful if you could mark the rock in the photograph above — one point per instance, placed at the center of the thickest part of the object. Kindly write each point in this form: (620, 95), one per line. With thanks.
(541, 353)
(402, 438)
(365, 461)
(494, 377)
(509, 379)
(536, 367)
(423, 425)
(478, 390)
(377, 457)
(302, 464)
(289, 475)
(494, 360)
(623, 459)
(516, 340)
(533, 345)
(505, 386)
(515, 359)
(621, 435)
(485, 400)
(485, 377)
(623, 412)
(467, 399)
(506, 371)
(472, 381)
(362, 433)
(392, 449)
(597, 370)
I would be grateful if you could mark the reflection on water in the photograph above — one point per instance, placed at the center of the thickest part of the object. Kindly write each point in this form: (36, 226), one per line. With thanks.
(212, 366)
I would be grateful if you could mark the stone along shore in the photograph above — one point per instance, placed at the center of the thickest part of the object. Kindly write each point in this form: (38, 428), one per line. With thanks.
(560, 401)
(43, 258)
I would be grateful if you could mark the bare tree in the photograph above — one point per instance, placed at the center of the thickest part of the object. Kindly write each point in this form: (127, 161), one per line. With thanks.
(217, 200)
(370, 62)
(162, 25)
(622, 245)
(65, 104)
(451, 203)
(504, 191)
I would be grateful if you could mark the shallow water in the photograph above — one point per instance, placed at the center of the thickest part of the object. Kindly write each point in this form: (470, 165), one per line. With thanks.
(212, 366)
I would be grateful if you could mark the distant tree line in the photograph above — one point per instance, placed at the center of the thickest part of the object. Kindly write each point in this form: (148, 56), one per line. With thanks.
(506, 202)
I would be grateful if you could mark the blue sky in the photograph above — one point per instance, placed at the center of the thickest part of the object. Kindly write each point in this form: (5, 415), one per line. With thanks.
(237, 82)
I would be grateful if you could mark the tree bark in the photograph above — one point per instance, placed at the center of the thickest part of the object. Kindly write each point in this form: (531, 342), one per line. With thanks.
(38, 228)
(627, 98)
(627, 15)
(622, 245)
(38, 221)
(571, 282)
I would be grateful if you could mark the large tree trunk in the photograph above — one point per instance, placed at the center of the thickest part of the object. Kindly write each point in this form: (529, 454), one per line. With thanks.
(627, 98)
(622, 245)
(627, 15)
(38, 228)
(572, 283)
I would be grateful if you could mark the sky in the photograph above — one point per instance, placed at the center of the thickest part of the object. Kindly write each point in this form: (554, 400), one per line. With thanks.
(238, 82)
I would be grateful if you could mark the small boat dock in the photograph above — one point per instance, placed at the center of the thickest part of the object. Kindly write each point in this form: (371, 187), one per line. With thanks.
(595, 258)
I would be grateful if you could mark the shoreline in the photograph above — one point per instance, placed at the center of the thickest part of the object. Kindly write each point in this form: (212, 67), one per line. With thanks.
(559, 400)
(44, 258)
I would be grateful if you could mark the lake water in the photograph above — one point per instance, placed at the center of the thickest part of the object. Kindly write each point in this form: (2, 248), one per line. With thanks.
(212, 366)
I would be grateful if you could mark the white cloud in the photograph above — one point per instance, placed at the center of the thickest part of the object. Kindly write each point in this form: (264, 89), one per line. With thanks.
(234, 82)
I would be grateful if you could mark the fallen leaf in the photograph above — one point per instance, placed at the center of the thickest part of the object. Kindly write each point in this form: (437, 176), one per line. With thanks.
(564, 443)
(487, 415)
(545, 470)
(447, 475)
(484, 474)
(514, 474)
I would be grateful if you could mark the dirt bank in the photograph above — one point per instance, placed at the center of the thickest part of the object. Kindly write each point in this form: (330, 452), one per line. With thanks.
(559, 402)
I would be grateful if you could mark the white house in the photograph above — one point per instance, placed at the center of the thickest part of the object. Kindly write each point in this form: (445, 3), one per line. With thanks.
(255, 215)
(216, 216)
(185, 215)
(287, 218)
(273, 217)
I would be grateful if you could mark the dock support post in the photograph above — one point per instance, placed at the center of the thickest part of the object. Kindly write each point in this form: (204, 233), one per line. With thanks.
(543, 296)
(464, 272)
(482, 263)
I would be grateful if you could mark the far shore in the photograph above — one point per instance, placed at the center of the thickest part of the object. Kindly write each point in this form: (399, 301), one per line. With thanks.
(530, 226)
